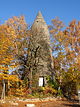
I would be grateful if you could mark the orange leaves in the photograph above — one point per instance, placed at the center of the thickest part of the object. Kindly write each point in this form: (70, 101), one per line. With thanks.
(66, 44)
(3, 68)
(57, 23)
(13, 78)
(7, 36)
(9, 77)
(12, 34)
(18, 24)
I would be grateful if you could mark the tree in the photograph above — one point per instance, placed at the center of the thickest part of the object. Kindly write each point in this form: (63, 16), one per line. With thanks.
(7, 36)
(66, 52)
(20, 43)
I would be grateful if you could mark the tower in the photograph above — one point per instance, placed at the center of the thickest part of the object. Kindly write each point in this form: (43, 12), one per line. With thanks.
(39, 53)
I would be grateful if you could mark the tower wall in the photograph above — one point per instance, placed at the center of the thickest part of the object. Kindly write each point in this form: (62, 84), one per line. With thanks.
(39, 52)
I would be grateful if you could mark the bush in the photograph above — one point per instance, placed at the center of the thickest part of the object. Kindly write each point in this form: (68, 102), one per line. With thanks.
(37, 89)
(50, 90)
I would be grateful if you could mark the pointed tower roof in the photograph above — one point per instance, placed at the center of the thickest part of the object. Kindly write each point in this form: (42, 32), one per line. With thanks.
(39, 22)
(39, 29)
(39, 17)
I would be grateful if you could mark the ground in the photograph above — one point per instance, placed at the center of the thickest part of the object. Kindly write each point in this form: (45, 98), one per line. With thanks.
(39, 103)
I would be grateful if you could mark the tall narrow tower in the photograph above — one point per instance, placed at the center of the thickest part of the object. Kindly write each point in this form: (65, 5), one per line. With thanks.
(39, 52)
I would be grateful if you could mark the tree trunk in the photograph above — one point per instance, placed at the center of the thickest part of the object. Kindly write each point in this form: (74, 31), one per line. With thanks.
(3, 91)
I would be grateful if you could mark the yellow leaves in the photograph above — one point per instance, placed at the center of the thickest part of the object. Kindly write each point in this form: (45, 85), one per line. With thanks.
(13, 66)
(13, 78)
(18, 24)
(3, 68)
(8, 59)
(57, 23)
(20, 91)
(60, 40)
(9, 77)
(71, 75)
(5, 59)
(3, 76)
(7, 36)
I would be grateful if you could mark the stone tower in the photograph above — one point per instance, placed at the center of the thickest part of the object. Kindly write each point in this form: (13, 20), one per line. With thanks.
(39, 53)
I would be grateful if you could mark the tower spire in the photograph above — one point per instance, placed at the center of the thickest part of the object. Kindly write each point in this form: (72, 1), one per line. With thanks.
(39, 18)
(39, 15)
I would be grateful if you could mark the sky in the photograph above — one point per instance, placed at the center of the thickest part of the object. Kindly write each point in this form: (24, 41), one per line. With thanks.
(66, 10)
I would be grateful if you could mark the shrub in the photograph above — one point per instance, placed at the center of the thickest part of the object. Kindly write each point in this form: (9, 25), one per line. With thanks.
(50, 90)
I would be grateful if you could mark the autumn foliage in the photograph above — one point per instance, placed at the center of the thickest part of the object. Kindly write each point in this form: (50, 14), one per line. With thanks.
(66, 55)
(65, 42)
